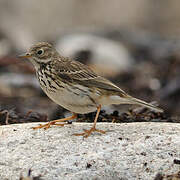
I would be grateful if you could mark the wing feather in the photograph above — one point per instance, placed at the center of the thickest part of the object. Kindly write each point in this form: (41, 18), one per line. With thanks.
(74, 71)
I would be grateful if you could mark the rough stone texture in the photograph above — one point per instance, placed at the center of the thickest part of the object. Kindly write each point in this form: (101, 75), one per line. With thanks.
(126, 151)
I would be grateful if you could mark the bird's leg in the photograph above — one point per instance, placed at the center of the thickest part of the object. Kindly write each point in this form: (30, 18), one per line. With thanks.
(87, 133)
(54, 122)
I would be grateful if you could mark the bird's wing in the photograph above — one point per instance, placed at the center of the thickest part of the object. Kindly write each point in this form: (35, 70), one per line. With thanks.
(74, 71)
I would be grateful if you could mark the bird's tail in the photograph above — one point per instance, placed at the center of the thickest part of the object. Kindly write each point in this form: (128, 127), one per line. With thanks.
(143, 103)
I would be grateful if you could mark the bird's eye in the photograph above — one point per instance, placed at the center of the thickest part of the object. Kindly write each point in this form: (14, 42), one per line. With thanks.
(40, 52)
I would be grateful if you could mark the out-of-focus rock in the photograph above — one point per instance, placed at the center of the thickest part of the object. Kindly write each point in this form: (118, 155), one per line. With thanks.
(13, 84)
(5, 47)
(25, 21)
(146, 45)
(19, 80)
(105, 56)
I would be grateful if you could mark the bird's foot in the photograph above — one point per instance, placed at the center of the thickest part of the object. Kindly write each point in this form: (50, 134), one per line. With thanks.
(57, 122)
(47, 125)
(87, 133)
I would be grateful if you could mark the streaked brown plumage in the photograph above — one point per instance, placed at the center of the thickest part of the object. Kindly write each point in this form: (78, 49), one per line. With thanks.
(74, 85)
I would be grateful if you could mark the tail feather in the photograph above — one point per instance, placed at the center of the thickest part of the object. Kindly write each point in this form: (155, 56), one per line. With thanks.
(143, 103)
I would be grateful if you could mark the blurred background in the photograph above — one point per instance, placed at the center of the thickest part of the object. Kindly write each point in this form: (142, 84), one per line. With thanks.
(135, 44)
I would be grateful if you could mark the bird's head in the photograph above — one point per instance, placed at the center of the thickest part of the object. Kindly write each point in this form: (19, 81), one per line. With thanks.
(40, 53)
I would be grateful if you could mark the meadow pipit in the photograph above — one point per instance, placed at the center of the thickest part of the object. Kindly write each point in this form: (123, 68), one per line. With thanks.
(75, 86)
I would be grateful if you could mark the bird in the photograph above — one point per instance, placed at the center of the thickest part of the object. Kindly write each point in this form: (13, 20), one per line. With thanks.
(75, 86)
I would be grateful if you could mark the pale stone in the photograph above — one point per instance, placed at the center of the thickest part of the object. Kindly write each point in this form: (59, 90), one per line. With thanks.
(126, 151)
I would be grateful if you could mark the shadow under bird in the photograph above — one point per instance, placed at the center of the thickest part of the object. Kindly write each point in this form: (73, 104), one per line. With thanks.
(75, 86)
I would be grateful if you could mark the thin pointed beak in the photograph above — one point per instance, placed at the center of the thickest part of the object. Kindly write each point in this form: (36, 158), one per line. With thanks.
(26, 55)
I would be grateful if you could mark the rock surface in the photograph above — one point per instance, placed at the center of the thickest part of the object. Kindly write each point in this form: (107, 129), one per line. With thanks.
(126, 151)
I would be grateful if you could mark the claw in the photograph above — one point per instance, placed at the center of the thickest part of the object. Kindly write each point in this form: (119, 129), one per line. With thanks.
(87, 133)
(40, 126)
(47, 125)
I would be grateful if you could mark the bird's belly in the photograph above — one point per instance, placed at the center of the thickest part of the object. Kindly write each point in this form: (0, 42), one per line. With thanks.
(73, 99)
